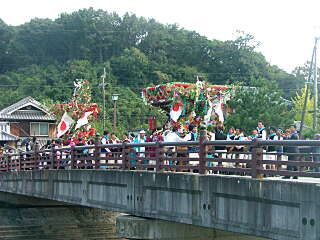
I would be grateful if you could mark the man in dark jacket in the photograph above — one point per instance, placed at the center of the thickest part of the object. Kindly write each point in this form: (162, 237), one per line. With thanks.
(292, 149)
(316, 150)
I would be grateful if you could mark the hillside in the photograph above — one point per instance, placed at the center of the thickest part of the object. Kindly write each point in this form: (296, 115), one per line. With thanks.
(43, 57)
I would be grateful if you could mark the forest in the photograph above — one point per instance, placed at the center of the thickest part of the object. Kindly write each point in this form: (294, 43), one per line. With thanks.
(43, 57)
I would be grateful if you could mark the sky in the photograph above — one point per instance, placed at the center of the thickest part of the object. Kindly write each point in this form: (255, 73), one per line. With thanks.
(285, 29)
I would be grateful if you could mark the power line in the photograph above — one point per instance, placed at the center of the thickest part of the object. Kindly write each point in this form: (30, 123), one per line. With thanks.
(99, 87)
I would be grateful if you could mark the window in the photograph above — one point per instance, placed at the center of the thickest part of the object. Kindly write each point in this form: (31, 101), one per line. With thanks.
(39, 129)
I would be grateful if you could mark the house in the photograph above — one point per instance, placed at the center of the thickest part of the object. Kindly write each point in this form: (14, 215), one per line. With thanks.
(25, 119)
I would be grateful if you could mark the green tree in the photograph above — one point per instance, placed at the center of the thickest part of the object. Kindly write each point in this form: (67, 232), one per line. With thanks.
(130, 68)
(298, 101)
(261, 103)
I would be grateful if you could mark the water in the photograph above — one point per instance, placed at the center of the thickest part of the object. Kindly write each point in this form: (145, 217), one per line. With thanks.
(69, 223)
(57, 223)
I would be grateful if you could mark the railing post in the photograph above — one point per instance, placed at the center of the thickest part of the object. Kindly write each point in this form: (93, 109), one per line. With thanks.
(7, 162)
(19, 161)
(1, 161)
(257, 156)
(279, 158)
(72, 157)
(158, 157)
(202, 151)
(53, 157)
(97, 152)
(124, 156)
(35, 159)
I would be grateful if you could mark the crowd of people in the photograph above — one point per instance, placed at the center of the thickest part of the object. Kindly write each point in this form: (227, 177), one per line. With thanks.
(142, 155)
(217, 133)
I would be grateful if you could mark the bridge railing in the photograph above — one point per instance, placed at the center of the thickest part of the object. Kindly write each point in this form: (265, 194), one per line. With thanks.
(254, 158)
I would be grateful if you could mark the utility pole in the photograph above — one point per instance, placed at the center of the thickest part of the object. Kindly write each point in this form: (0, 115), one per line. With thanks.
(307, 90)
(315, 89)
(104, 98)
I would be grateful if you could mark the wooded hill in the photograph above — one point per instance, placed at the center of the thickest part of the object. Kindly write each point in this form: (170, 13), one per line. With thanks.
(43, 57)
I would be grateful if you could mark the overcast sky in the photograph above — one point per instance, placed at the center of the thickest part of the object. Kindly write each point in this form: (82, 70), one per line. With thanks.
(286, 29)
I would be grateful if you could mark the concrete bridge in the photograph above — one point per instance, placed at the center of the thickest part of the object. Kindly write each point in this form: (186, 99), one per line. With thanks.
(269, 208)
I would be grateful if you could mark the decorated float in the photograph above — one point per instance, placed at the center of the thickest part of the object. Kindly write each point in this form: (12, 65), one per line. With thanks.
(77, 114)
(187, 103)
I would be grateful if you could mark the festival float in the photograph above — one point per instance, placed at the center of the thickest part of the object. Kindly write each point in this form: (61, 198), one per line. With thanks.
(186, 104)
(77, 114)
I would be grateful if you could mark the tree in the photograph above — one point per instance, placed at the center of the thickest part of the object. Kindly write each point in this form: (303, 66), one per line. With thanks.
(253, 104)
(130, 68)
(43, 57)
(298, 101)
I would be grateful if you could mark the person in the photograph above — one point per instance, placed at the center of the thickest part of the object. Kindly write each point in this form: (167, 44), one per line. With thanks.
(35, 147)
(255, 134)
(292, 149)
(211, 134)
(192, 135)
(80, 153)
(125, 138)
(221, 150)
(156, 136)
(239, 136)
(114, 150)
(271, 150)
(172, 136)
(280, 134)
(230, 135)
(90, 163)
(210, 148)
(104, 151)
(127, 150)
(28, 145)
(262, 133)
(316, 150)
(140, 151)
(46, 154)
(131, 137)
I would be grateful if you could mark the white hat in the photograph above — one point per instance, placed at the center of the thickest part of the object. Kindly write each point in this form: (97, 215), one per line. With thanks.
(142, 131)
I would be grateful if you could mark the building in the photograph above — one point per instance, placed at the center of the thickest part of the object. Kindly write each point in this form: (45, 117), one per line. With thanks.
(25, 119)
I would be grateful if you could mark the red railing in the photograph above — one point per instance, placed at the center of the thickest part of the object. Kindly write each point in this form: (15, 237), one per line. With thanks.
(288, 158)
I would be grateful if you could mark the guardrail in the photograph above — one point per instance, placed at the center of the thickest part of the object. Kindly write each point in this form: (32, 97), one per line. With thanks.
(290, 158)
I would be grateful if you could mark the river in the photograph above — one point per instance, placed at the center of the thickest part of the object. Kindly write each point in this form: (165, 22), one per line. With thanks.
(70, 223)
(56, 223)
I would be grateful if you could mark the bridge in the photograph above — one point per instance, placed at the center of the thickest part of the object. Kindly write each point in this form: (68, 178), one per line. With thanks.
(250, 204)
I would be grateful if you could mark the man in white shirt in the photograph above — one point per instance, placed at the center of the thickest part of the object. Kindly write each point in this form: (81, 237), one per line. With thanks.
(173, 136)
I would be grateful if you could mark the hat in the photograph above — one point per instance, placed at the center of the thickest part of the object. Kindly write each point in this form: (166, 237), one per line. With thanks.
(142, 132)
(272, 129)
(280, 130)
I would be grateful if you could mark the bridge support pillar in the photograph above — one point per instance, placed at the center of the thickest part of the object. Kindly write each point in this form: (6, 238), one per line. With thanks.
(131, 227)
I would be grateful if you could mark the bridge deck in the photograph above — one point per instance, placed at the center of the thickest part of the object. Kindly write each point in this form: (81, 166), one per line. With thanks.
(271, 208)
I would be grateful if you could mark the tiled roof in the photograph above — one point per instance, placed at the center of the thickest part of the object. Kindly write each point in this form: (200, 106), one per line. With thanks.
(4, 136)
(27, 116)
(13, 112)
